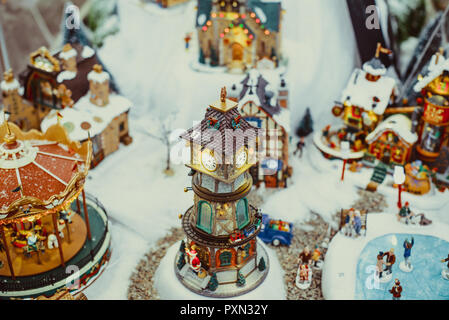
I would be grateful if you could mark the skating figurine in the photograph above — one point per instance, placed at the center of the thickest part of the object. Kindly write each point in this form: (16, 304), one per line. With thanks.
(406, 265)
(445, 272)
(380, 264)
(390, 260)
(396, 291)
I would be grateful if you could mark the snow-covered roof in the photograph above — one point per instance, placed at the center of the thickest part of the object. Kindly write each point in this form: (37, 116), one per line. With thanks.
(9, 85)
(434, 70)
(87, 115)
(374, 67)
(65, 75)
(369, 95)
(399, 124)
(87, 52)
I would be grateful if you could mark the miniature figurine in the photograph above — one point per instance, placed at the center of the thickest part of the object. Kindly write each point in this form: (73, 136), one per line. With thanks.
(305, 256)
(405, 265)
(357, 222)
(349, 223)
(445, 272)
(303, 277)
(380, 264)
(317, 263)
(396, 291)
(194, 261)
(299, 146)
(405, 213)
(187, 39)
(52, 241)
(391, 259)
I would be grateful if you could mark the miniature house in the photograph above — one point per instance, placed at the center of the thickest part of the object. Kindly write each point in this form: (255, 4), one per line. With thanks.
(366, 96)
(433, 130)
(239, 33)
(391, 142)
(73, 84)
(45, 223)
(21, 111)
(220, 256)
(265, 105)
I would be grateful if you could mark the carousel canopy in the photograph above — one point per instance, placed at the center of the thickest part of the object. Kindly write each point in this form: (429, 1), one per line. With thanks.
(39, 172)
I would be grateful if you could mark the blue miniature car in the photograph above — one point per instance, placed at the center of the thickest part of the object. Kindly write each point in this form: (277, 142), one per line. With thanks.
(276, 232)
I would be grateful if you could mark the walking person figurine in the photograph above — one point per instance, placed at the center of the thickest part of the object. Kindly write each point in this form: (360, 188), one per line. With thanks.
(405, 265)
(187, 39)
(396, 291)
(445, 272)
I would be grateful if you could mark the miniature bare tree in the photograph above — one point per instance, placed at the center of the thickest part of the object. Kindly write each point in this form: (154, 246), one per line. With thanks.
(161, 129)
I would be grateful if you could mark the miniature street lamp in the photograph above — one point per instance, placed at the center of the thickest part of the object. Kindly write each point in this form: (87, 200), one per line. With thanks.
(344, 148)
(399, 179)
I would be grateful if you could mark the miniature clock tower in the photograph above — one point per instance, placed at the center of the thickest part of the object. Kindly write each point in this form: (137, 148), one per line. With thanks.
(220, 256)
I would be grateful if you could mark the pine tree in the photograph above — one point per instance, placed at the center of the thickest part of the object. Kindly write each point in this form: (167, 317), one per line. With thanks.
(261, 265)
(181, 260)
(306, 126)
(182, 247)
(241, 281)
(213, 282)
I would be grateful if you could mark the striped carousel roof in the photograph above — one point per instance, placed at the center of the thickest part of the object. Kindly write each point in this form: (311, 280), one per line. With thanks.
(39, 171)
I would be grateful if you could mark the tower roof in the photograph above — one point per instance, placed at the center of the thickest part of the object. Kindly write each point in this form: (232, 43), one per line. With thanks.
(223, 129)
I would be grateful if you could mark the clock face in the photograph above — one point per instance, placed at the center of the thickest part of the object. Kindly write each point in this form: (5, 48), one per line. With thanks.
(208, 161)
(241, 158)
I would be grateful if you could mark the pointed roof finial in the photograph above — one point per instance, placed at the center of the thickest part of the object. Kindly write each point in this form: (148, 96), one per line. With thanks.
(10, 137)
(439, 54)
(98, 68)
(8, 76)
(223, 95)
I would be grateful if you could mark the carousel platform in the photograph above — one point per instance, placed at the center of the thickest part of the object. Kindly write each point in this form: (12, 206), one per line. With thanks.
(88, 259)
(334, 153)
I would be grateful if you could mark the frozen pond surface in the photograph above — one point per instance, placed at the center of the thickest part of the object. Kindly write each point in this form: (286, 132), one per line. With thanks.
(423, 283)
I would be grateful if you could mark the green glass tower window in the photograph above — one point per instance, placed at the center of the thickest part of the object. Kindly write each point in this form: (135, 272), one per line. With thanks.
(242, 215)
(204, 221)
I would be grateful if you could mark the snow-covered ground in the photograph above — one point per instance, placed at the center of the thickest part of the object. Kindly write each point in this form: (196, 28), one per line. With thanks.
(152, 68)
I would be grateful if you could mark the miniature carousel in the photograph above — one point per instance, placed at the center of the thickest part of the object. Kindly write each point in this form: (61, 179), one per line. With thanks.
(50, 239)
(220, 256)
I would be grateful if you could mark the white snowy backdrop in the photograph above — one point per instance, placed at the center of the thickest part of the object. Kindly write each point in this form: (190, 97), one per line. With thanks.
(152, 68)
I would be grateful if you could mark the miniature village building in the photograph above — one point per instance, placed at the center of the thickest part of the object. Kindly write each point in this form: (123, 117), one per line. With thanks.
(221, 256)
(239, 33)
(433, 130)
(73, 85)
(264, 105)
(44, 225)
(391, 142)
(368, 93)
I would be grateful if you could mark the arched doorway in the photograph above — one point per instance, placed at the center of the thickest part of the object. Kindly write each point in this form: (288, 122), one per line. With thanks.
(237, 51)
